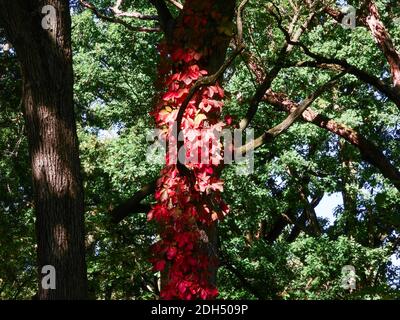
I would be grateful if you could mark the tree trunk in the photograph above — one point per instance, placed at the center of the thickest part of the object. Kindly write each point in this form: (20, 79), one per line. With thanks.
(46, 64)
(204, 27)
(215, 41)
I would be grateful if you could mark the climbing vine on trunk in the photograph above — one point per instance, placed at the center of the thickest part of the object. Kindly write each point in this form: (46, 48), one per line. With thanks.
(188, 201)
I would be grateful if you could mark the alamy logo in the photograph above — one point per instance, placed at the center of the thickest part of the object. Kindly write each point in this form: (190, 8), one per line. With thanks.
(203, 146)
(49, 278)
(49, 21)
(349, 278)
(349, 20)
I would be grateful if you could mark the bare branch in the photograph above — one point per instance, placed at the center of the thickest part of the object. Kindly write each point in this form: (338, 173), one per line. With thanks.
(104, 17)
(133, 204)
(131, 14)
(370, 18)
(389, 91)
(272, 133)
(278, 65)
(239, 21)
(260, 92)
(176, 4)
(367, 148)
(385, 43)
(340, 65)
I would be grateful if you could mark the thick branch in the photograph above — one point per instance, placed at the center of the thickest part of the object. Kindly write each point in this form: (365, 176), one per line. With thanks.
(239, 21)
(367, 148)
(385, 43)
(315, 227)
(165, 17)
(176, 4)
(260, 92)
(133, 205)
(279, 225)
(278, 65)
(131, 14)
(371, 19)
(299, 225)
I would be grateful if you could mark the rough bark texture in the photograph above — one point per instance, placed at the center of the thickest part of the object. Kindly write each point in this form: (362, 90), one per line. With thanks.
(384, 42)
(369, 17)
(46, 64)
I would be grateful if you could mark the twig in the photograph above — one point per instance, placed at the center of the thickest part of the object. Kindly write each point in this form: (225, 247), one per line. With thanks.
(132, 14)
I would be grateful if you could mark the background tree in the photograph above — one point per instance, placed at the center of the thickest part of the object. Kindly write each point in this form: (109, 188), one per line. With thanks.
(46, 67)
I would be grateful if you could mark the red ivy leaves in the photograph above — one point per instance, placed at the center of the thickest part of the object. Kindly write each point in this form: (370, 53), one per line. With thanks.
(184, 209)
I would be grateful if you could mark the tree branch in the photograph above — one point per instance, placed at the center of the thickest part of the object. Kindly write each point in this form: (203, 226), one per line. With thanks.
(176, 4)
(390, 92)
(260, 92)
(371, 19)
(104, 17)
(340, 65)
(270, 134)
(278, 65)
(385, 43)
(367, 148)
(298, 226)
(131, 14)
(133, 205)
(239, 21)
(165, 17)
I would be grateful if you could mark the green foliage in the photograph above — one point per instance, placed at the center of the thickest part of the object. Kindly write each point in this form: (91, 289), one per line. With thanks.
(17, 239)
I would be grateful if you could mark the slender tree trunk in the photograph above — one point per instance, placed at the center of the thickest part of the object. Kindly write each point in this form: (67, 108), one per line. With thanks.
(46, 64)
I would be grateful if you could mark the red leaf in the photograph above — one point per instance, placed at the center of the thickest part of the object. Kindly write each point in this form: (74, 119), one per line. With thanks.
(160, 265)
(171, 253)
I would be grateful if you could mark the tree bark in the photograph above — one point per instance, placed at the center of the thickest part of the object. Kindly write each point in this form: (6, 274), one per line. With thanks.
(371, 19)
(46, 64)
(385, 43)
